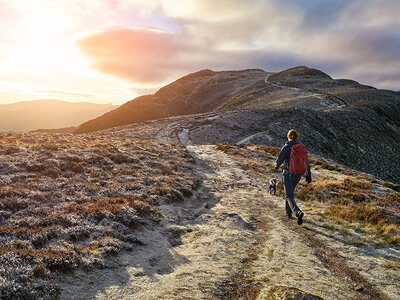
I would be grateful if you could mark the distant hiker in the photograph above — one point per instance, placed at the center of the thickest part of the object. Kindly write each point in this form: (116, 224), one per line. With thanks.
(294, 157)
(272, 186)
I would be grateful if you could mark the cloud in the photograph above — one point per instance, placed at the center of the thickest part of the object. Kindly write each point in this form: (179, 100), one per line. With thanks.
(338, 37)
(150, 56)
(144, 91)
(136, 54)
(371, 14)
(217, 35)
(65, 93)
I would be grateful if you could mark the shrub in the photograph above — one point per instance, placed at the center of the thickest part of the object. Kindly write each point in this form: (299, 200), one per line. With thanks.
(395, 187)
(54, 219)
(52, 172)
(35, 168)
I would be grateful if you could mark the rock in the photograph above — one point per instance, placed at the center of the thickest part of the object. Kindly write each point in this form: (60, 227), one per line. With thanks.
(290, 293)
(358, 288)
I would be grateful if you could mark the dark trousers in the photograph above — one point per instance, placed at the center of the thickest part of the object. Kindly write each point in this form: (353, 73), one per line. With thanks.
(290, 182)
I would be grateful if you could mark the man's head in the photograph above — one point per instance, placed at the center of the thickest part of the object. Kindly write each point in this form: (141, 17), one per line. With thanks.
(292, 135)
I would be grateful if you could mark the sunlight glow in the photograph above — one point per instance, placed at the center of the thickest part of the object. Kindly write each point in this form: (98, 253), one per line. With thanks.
(40, 47)
(122, 48)
(44, 25)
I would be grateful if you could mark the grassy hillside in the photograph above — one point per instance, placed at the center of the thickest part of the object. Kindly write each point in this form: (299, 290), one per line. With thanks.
(72, 201)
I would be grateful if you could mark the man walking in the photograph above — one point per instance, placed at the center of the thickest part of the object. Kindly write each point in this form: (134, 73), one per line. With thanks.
(295, 165)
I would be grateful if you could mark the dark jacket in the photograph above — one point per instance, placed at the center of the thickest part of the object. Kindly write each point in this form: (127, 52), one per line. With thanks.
(284, 157)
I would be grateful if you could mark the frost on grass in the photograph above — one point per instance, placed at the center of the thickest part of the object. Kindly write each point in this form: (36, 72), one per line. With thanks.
(72, 201)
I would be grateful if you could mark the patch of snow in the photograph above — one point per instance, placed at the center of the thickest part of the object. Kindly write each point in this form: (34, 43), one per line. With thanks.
(212, 118)
(263, 134)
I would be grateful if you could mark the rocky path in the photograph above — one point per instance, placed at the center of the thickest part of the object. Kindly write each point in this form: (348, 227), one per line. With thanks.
(229, 241)
(324, 101)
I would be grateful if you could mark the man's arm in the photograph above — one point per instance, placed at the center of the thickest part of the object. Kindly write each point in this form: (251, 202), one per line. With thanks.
(285, 151)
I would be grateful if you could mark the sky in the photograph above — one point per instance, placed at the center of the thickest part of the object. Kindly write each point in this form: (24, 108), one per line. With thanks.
(111, 51)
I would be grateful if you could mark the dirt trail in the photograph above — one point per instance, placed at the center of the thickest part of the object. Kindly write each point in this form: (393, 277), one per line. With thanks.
(230, 241)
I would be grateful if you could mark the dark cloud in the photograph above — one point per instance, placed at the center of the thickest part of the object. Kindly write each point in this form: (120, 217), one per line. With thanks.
(320, 14)
(382, 45)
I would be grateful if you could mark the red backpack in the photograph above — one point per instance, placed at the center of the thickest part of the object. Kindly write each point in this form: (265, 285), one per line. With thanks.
(298, 163)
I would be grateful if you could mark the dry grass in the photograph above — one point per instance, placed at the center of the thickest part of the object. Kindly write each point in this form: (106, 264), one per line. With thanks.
(354, 200)
(254, 158)
(395, 187)
(68, 201)
(345, 191)
(345, 194)
(238, 149)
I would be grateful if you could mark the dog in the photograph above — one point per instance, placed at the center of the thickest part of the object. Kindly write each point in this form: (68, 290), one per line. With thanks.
(272, 186)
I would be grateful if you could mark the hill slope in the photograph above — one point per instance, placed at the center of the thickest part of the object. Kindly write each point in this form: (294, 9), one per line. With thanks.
(363, 138)
(107, 215)
(199, 92)
(43, 114)
(207, 91)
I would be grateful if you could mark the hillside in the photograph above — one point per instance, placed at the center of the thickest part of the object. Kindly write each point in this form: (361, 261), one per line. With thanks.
(343, 120)
(109, 215)
(48, 114)
(208, 91)
(199, 92)
(363, 138)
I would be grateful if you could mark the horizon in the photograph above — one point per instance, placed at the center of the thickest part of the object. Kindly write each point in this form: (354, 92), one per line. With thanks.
(76, 57)
(64, 101)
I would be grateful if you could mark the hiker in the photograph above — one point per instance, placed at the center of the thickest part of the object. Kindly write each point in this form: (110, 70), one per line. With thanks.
(272, 186)
(290, 177)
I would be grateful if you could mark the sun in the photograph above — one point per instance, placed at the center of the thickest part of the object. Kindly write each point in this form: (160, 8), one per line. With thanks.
(42, 44)
(44, 25)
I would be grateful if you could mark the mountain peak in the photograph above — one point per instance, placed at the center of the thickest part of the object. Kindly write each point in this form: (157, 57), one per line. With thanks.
(300, 71)
(210, 91)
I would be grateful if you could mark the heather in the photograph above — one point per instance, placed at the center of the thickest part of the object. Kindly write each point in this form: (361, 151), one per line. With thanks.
(69, 201)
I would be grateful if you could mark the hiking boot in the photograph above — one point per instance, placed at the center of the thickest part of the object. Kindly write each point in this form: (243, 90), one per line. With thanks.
(299, 216)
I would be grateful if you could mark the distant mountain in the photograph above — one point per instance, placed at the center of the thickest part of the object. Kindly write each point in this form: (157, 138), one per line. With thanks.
(57, 130)
(48, 114)
(209, 91)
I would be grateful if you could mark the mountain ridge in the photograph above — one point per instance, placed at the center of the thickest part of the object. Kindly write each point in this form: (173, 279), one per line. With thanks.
(48, 114)
(207, 91)
(173, 99)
